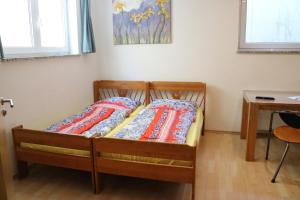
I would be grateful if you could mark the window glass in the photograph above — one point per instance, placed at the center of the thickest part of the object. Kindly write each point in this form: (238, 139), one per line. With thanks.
(273, 21)
(37, 28)
(16, 23)
(270, 25)
(52, 21)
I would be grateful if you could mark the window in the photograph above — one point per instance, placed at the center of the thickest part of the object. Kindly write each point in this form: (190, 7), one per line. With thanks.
(34, 28)
(270, 25)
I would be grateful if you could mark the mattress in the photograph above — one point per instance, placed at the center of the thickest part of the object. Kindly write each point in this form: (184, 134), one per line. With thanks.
(66, 151)
(193, 134)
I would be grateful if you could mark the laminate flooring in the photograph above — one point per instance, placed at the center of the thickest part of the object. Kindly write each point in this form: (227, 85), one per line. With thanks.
(222, 173)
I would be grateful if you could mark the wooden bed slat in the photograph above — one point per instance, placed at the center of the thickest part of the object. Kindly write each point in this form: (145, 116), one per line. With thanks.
(171, 86)
(179, 90)
(51, 139)
(125, 85)
(137, 169)
(105, 89)
(143, 148)
(59, 160)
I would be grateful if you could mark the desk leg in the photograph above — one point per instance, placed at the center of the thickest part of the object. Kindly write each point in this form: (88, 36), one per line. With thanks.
(251, 136)
(245, 119)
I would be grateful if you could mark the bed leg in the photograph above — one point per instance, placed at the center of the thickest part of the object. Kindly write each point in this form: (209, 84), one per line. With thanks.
(193, 190)
(194, 179)
(22, 169)
(93, 181)
(98, 182)
(203, 128)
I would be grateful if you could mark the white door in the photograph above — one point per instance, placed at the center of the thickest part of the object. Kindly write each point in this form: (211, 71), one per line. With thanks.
(4, 158)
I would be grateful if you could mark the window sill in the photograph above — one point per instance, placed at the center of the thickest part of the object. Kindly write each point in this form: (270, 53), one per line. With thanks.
(7, 59)
(268, 51)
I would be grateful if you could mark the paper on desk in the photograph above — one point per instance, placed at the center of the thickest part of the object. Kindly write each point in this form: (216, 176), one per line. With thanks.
(295, 98)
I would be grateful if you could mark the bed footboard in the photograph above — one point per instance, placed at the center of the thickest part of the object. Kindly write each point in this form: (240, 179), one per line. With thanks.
(27, 155)
(172, 173)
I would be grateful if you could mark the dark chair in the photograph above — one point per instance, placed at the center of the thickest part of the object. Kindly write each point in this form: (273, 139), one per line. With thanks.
(288, 134)
(289, 118)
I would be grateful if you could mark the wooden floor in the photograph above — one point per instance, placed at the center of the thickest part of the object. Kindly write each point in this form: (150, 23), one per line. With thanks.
(222, 174)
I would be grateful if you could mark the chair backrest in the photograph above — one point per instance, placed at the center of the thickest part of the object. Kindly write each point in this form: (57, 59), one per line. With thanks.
(292, 120)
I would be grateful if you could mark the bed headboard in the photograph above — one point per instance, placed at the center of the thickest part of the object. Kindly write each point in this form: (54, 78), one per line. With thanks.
(136, 90)
(191, 91)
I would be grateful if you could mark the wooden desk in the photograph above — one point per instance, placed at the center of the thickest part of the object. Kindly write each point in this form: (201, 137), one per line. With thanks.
(251, 107)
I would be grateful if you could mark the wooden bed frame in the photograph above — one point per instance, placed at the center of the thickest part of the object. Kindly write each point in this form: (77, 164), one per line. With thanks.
(102, 89)
(103, 165)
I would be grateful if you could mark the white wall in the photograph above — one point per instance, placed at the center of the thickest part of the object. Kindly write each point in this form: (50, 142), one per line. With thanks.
(205, 35)
(45, 90)
(204, 48)
(48, 89)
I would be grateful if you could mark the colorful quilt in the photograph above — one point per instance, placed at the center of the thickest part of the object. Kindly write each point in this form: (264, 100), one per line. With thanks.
(179, 105)
(97, 119)
(159, 125)
(105, 126)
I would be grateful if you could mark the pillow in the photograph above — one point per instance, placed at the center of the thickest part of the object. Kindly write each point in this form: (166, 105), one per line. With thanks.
(174, 104)
(119, 103)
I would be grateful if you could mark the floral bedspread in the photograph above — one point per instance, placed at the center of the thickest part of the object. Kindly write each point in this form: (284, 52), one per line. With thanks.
(96, 120)
(159, 125)
(105, 126)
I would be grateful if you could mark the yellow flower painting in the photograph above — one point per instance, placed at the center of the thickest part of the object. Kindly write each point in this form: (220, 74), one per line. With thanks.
(141, 21)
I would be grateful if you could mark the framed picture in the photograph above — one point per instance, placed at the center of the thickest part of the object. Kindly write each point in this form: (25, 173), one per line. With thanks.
(141, 21)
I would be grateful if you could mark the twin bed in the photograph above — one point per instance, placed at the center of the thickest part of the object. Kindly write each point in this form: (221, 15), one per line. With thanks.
(138, 145)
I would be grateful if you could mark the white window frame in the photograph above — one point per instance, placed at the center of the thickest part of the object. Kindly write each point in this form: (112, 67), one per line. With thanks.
(260, 47)
(37, 50)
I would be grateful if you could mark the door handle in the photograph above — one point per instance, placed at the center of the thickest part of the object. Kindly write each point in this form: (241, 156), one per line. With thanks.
(3, 101)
